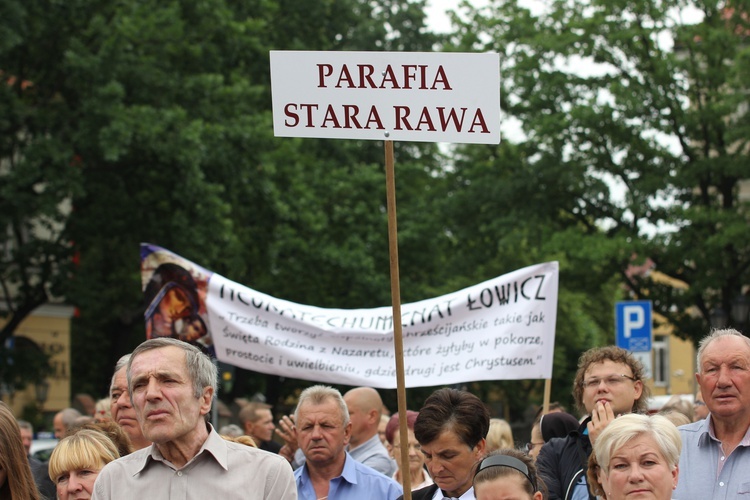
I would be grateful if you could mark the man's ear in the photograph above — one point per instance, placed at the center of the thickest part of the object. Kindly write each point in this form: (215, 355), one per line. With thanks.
(373, 416)
(206, 399)
(347, 433)
(480, 448)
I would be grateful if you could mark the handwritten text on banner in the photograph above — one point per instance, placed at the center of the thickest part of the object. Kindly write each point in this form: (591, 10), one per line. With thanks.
(500, 329)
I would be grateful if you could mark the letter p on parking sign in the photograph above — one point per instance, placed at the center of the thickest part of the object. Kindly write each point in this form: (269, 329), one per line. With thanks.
(633, 325)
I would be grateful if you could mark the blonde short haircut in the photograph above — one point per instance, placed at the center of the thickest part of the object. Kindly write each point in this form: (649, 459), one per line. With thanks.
(500, 435)
(86, 449)
(632, 426)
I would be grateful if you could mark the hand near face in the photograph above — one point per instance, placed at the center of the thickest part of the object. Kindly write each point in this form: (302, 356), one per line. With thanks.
(288, 432)
(601, 417)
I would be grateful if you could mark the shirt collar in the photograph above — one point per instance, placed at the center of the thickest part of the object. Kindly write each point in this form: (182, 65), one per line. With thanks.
(707, 432)
(468, 495)
(214, 446)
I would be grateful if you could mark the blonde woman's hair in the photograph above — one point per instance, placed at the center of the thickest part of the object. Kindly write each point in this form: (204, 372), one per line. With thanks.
(500, 435)
(86, 449)
(632, 426)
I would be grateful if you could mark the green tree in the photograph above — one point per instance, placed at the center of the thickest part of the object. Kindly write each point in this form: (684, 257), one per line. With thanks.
(151, 121)
(637, 96)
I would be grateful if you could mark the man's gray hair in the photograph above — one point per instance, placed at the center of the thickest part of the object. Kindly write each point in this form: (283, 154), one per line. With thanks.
(69, 417)
(231, 430)
(319, 394)
(716, 334)
(25, 424)
(201, 370)
(121, 363)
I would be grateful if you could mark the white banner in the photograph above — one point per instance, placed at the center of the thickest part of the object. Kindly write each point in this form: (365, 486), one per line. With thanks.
(398, 96)
(501, 329)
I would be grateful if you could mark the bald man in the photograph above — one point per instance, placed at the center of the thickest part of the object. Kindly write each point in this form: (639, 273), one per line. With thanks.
(365, 408)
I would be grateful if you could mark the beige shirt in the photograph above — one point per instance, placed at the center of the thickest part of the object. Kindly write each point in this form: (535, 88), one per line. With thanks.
(220, 470)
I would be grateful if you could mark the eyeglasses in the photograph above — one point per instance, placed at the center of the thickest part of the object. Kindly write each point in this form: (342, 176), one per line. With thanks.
(609, 381)
(530, 446)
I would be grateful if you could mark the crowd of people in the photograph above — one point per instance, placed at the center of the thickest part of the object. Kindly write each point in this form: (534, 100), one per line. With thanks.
(152, 439)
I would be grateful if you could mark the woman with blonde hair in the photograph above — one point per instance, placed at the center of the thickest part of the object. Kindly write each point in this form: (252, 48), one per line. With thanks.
(16, 481)
(76, 461)
(500, 435)
(637, 455)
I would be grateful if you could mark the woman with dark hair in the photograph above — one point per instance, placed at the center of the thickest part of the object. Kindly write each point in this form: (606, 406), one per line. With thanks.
(16, 481)
(451, 428)
(415, 467)
(508, 473)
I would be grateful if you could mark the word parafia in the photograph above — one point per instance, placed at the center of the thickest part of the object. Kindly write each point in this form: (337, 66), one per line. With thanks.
(404, 76)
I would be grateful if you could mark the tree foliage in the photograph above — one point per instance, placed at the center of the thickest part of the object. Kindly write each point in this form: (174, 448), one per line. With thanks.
(152, 122)
(633, 121)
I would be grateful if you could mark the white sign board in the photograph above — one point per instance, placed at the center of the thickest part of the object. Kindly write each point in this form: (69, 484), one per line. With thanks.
(398, 96)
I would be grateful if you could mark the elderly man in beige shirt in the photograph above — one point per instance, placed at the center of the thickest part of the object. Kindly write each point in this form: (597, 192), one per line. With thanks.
(172, 385)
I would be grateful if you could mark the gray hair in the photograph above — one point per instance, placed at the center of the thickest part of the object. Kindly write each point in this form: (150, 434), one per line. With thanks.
(716, 334)
(201, 370)
(121, 363)
(319, 394)
(69, 417)
(632, 426)
(231, 430)
(25, 424)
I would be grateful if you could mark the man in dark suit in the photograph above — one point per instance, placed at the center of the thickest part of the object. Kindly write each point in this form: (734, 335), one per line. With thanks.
(451, 428)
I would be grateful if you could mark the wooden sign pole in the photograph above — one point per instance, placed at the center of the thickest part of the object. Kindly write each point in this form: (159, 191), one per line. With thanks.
(390, 182)
(547, 391)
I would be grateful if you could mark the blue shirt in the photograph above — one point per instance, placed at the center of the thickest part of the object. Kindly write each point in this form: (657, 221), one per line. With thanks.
(373, 454)
(356, 482)
(699, 464)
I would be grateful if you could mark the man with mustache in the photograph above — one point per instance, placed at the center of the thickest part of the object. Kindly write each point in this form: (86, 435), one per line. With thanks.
(608, 383)
(172, 385)
(715, 454)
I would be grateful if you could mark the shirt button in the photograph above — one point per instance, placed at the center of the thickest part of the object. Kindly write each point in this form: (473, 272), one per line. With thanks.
(722, 458)
(179, 473)
(721, 483)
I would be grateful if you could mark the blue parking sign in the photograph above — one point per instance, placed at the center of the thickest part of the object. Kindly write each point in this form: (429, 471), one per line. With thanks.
(633, 325)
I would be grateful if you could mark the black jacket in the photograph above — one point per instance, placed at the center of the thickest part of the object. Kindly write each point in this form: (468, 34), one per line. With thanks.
(422, 493)
(562, 461)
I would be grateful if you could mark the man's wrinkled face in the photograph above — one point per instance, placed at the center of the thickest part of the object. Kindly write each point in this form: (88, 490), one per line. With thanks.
(321, 433)
(167, 408)
(724, 378)
(121, 408)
